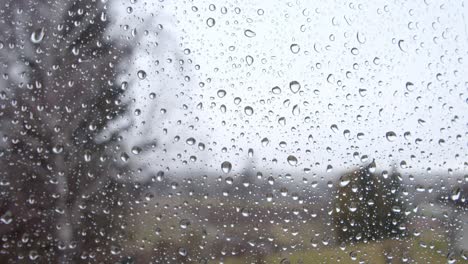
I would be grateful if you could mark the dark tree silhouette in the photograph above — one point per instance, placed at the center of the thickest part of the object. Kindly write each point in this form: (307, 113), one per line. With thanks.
(59, 155)
(368, 207)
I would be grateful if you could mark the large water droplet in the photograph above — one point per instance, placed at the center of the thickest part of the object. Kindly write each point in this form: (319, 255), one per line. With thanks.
(391, 136)
(141, 74)
(292, 160)
(248, 110)
(210, 22)
(226, 166)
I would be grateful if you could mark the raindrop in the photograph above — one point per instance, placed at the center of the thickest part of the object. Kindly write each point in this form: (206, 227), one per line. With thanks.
(249, 59)
(276, 90)
(409, 86)
(226, 167)
(296, 110)
(265, 142)
(221, 93)
(294, 86)
(141, 74)
(183, 252)
(295, 48)
(248, 110)
(391, 136)
(136, 150)
(210, 22)
(37, 35)
(184, 223)
(292, 160)
(249, 33)
(190, 141)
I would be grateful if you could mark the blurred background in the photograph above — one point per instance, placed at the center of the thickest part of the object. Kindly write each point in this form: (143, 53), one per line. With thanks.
(233, 132)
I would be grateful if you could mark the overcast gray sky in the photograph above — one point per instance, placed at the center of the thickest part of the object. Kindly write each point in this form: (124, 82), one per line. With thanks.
(369, 67)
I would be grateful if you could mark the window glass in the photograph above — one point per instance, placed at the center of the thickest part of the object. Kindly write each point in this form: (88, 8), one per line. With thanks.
(136, 131)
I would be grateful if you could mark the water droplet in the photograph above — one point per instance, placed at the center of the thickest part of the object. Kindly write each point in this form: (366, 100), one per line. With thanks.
(190, 141)
(409, 86)
(38, 35)
(294, 86)
(87, 156)
(221, 93)
(210, 22)
(183, 252)
(250, 153)
(141, 74)
(226, 167)
(295, 48)
(57, 149)
(136, 150)
(282, 121)
(391, 136)
(249, 59)
(248, 110)
(276, 90)
(265, 142)
(249, 33)
(292, 160)
(401, 45)
(346, 133)
(124, 157)
(455, 195)
(184, 223)
(334, 128)
(296, 110)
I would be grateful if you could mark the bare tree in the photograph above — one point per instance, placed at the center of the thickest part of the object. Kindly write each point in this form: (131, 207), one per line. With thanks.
(59, 95)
